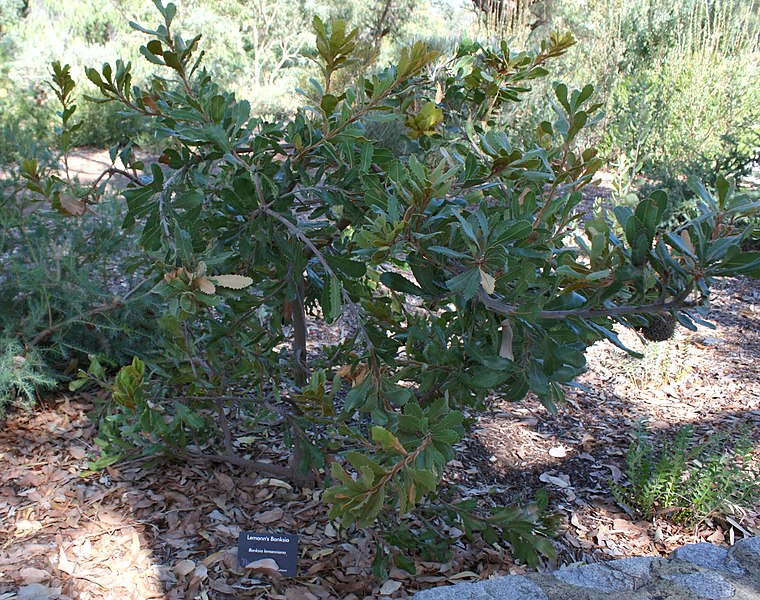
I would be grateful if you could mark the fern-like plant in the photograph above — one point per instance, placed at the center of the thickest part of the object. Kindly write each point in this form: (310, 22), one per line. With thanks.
(20, 377)
(687, 481)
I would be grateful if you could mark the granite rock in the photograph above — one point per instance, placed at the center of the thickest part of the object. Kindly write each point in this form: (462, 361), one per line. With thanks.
(708, 556)
(514, 587)
(710, 586)
(597, 576)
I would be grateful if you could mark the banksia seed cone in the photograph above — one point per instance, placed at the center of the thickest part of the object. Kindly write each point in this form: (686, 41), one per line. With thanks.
(660, 328)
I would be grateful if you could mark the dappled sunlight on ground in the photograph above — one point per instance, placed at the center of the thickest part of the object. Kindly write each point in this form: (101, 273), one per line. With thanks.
(135, 531)
(60, 536)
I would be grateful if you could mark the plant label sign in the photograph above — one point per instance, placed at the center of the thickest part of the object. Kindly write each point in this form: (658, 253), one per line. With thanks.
(279, 547)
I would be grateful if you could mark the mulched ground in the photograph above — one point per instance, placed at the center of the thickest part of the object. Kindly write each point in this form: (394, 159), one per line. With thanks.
(170, 531)
(138, 531)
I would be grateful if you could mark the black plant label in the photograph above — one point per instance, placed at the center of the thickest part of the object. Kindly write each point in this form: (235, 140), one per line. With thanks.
(280, 547)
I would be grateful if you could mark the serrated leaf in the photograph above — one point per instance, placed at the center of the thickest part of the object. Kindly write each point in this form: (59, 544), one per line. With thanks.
(348, 268)
(387, 440)
(465, 283)
(233, 282)
(205, 286)
(332, 298)
(487, 281)
(399, 283)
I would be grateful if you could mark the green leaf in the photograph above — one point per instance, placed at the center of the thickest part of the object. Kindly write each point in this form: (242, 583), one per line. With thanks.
(448, 252)
(184, 245)
(142, 29)
(356, 397)
(402, 562)
(425, 478)
(127, 388)
(188, 416)
(399, 283)
(466, 283)
(351, 269)
(216, 108)
(380, 563)
(152, 58)
(331, 299)
(328, 103)
(744, 263)
(650, 211)
(170, 12)
(387, 441)
(518, 231)
(216, 134)
(466, 227)
(188, 200)
(78, 384)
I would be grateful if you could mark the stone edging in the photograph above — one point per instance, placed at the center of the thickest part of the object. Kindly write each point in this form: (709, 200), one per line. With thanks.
(696, 571)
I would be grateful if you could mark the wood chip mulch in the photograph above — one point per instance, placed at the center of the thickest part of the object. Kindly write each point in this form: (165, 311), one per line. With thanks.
(170, 531)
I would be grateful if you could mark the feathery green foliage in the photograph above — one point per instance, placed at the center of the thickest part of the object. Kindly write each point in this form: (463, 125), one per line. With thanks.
(688, 479)
(69, 291)
(21, 376)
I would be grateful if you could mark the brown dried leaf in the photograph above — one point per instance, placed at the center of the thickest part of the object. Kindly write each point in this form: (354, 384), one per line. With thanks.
(265, 564)
(184, 567)
(77, 453)
(391, 586)
(72, 205)
(205, 286)
(64, 564)
(214, 558)
(233, 282)
(464, 575)
(32, 575)
(270, 516)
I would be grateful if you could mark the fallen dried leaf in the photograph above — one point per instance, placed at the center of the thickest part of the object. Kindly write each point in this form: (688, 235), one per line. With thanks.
(64, 564)
(391, 586)
(617, 474)
(25, 527)
(77, 452)
(464, 575)
(558, 452)
(270, 516)
(184, 567)
(559, 482)
(32, 575)
(272, 482)
(267, 565)
(214, 558)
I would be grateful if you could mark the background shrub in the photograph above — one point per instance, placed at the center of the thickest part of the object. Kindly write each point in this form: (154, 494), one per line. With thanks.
(57, 275)
(105, 125)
